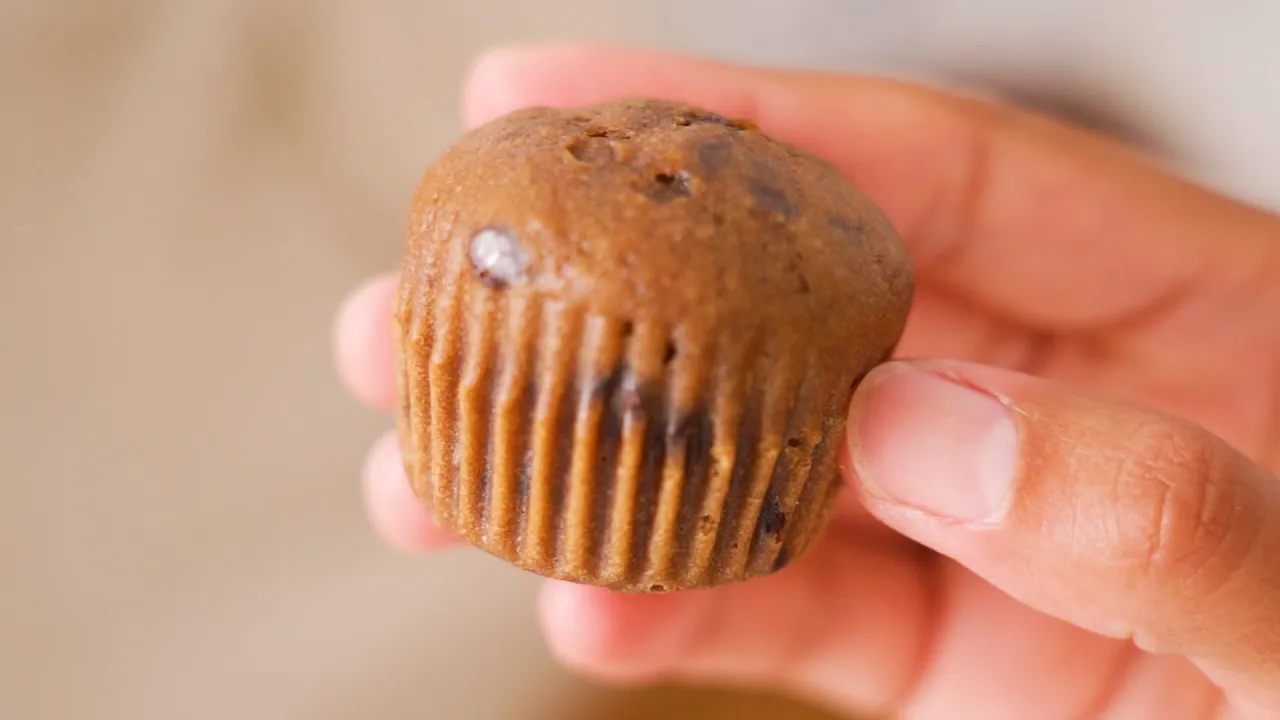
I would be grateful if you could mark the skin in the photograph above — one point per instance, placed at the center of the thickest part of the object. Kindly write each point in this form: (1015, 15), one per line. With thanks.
(1062, 500)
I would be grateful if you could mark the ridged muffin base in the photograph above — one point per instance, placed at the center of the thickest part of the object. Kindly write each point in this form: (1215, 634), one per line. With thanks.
(621, 453)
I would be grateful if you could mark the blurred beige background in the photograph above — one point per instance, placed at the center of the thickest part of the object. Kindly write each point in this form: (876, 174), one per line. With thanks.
(188, 188)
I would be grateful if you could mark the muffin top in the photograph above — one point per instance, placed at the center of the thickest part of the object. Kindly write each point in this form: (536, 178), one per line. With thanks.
(660, 213)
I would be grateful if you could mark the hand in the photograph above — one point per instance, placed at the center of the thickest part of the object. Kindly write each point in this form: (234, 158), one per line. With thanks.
(1076, 515)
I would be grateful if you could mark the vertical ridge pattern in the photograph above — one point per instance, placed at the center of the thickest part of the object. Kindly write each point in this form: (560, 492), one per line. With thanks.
(598, 377)
(619, 399)
(814, 501)
(727, 417)
(779, 388)
(679, 397)
(509, 437)
(475, 408)
(442, 374)
(648, 359)
(693, 432)
(790, 474)
(621, 541)
(746, 442)
(587, 448)
(414, 390)
(552, 428)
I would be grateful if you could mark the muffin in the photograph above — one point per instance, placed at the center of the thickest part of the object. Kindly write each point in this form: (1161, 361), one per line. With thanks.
(626, 339)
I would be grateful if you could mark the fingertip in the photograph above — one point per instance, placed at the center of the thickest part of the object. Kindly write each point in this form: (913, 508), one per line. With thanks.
(362, 343)
(498, 80)
(506, 79)
(614, 637)
(485, 80)
(925, 439)
(399, 517)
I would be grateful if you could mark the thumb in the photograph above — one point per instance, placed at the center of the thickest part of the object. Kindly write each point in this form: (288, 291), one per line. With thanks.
(1117, 519)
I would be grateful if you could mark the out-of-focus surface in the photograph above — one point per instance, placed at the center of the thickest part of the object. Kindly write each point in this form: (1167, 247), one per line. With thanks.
(188, 188)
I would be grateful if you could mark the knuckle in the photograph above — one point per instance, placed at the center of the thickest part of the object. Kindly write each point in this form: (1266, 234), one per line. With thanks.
(1177, 506)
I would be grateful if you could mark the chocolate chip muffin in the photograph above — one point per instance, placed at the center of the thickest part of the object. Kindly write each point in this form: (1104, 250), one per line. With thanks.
(627, 335)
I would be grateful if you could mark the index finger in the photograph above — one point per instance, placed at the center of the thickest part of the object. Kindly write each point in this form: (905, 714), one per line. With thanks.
(1046, 224)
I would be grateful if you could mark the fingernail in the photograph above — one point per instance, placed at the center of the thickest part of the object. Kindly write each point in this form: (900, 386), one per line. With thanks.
(936, 445)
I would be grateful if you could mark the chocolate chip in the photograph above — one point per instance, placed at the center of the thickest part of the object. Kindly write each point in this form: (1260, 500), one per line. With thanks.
(652, 462)
(629, 400)
(715, 155)
(782, 560)
(669, 354)
(772, 519)
(692, 436)
(793, 442)
(497, 257)
(849, 228)
(605, 388)
(771, 200)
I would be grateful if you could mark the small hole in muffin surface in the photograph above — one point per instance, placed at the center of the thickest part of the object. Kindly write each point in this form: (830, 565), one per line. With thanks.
(686, 119)
(706, 525)
(593, 150)
(668, 186)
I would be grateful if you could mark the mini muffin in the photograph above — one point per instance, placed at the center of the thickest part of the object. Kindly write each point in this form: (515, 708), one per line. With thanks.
(627, 336)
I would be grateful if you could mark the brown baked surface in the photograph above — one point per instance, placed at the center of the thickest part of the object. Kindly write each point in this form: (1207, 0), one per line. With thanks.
(627, 335)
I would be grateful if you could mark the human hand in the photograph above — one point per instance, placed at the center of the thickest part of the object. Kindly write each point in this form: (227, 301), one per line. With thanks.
(1075, 515)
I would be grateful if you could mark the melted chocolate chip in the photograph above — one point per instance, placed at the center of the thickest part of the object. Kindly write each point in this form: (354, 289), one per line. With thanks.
(605, 388)
(692, 435)
(849, 228)
(782, 560)
(669, 354)
(772, 519)
(715, 155)
(771, 200)
(623, 394)
(629, 400)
